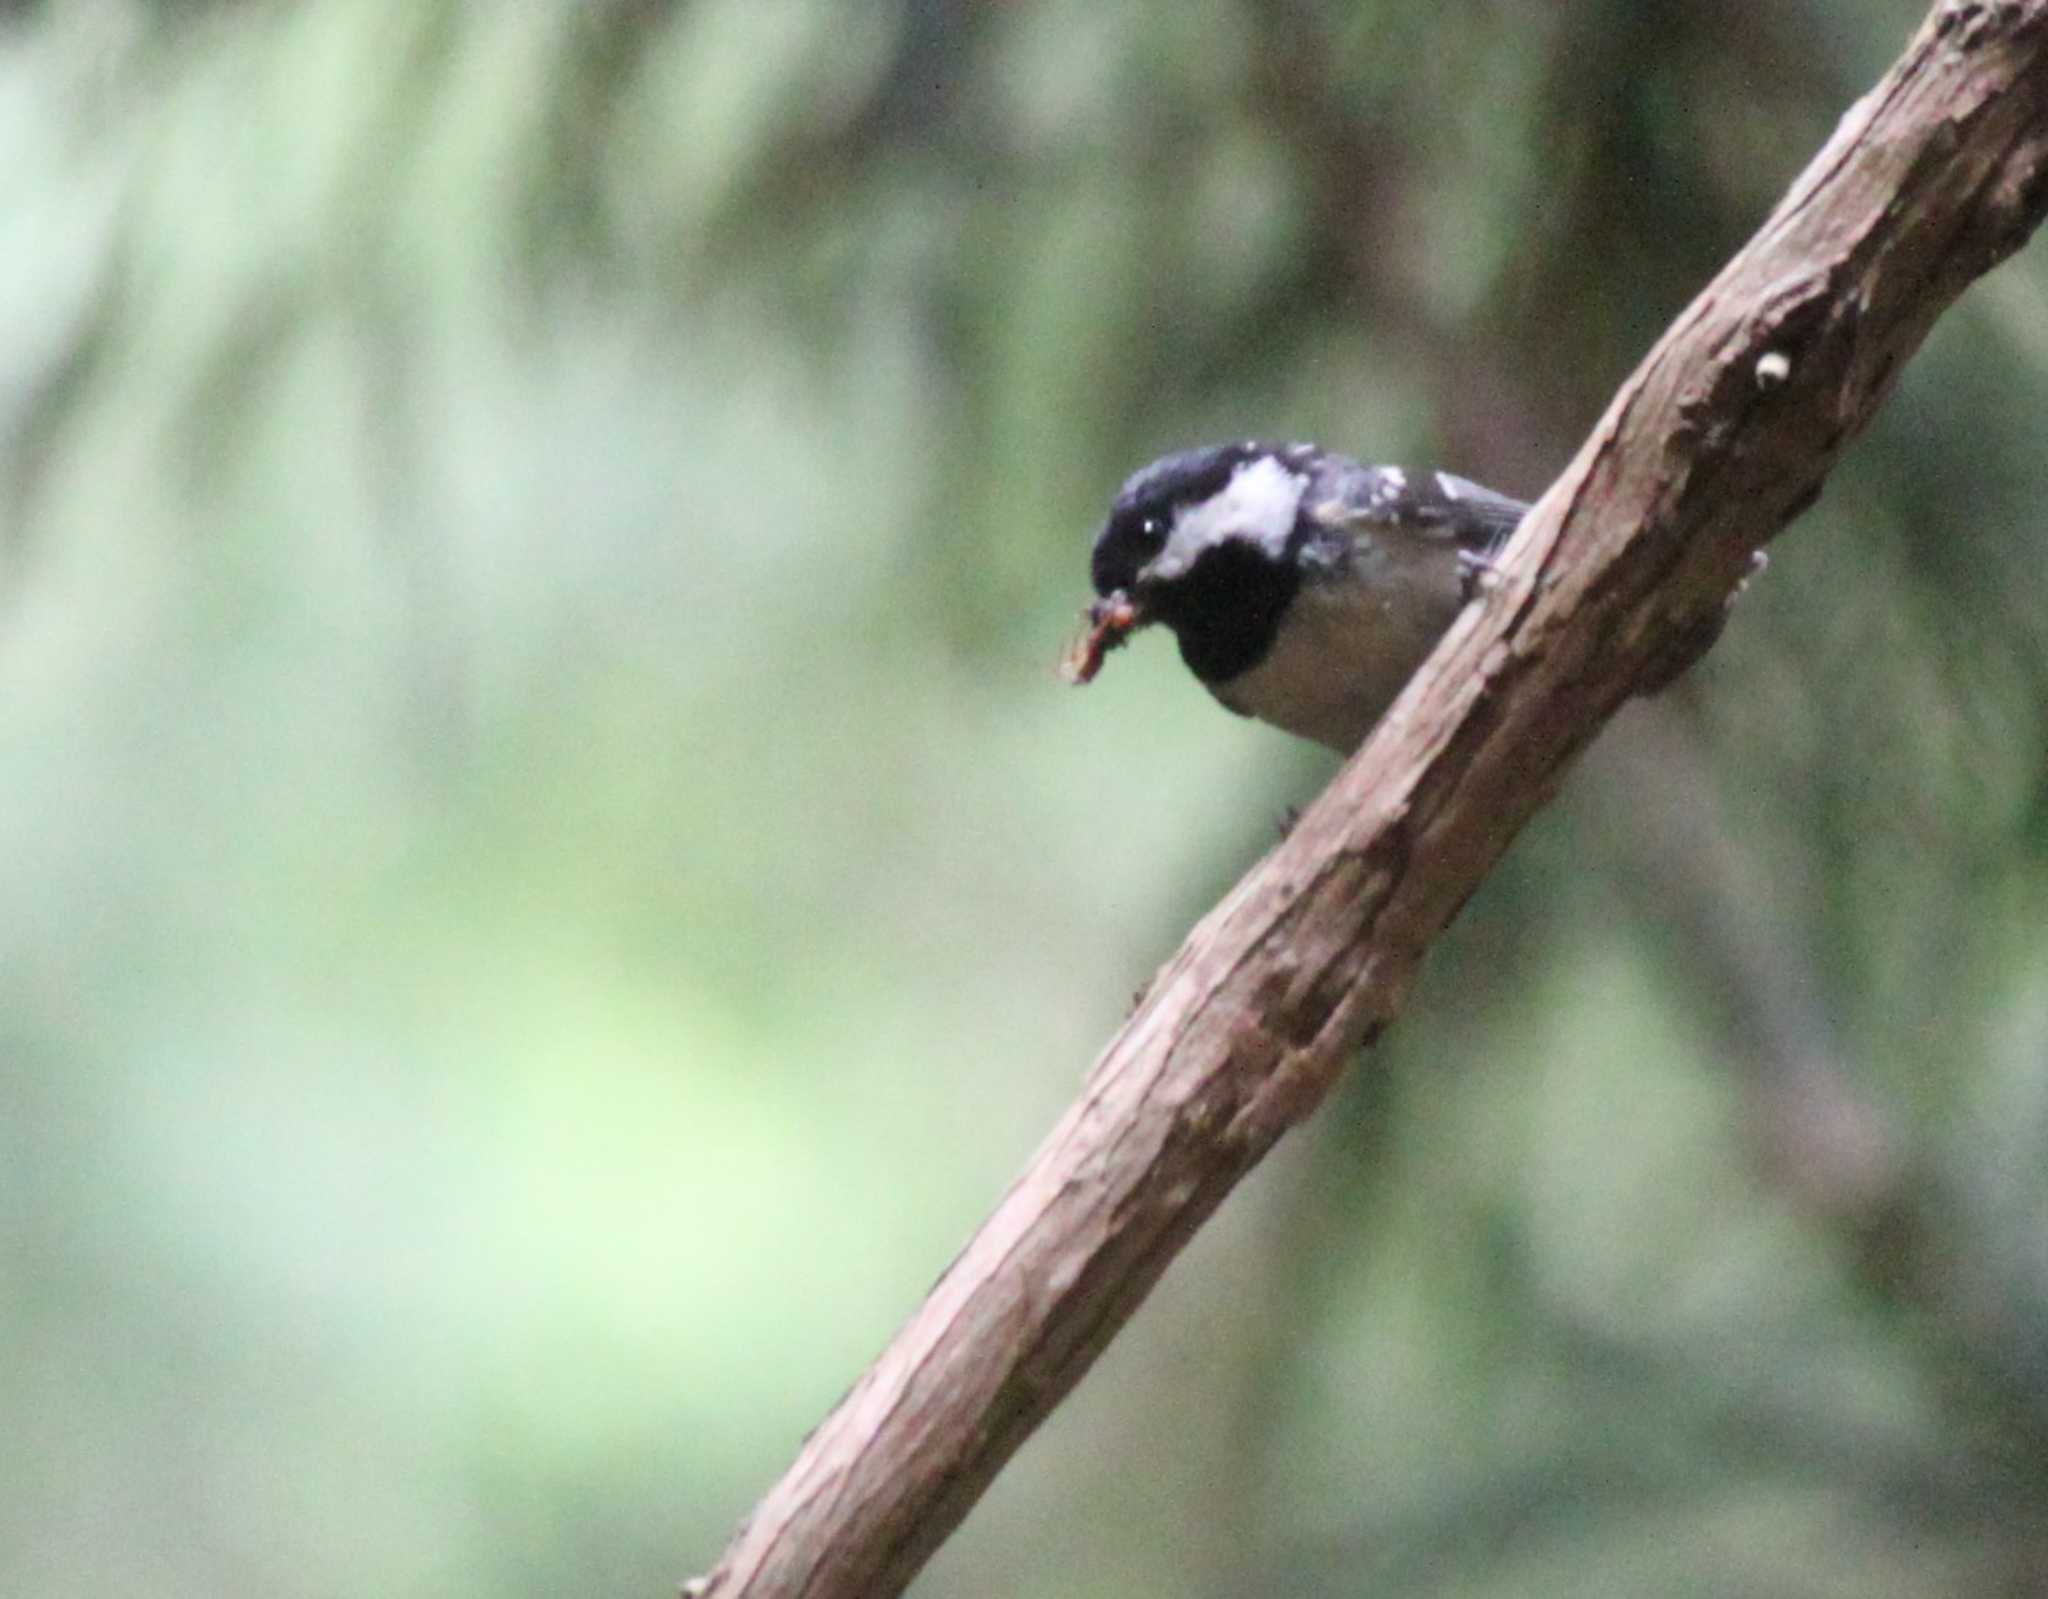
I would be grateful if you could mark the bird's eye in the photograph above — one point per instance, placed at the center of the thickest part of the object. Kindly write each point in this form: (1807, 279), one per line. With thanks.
(1153, 527)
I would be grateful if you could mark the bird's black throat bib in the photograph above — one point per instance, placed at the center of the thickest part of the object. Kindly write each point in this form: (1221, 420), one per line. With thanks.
(1226, 609)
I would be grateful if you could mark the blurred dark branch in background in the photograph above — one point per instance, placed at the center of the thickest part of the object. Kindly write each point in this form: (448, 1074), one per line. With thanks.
(1617, 582)
(1819, 1137)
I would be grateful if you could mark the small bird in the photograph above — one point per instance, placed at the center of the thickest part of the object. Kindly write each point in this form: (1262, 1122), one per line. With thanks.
(1304, 588)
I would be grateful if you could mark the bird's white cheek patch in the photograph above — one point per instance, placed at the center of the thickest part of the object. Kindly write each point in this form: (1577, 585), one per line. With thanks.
(1258, 505)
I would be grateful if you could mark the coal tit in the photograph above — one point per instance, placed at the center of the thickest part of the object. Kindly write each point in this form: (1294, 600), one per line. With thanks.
(1304, 588)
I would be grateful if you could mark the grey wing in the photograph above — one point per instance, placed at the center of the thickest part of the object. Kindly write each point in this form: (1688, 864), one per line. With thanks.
(1479, 519)
(1474, 518)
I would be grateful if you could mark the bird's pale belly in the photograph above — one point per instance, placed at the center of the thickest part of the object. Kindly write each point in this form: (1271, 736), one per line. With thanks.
(1343, 656)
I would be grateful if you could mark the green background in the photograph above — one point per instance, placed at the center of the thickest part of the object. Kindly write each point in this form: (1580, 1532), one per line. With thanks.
(547, 878)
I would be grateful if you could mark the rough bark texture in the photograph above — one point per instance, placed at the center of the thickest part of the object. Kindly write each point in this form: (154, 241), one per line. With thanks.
(1616, 582)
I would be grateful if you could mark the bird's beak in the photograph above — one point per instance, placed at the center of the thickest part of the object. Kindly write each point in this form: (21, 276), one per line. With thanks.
(1106, 624)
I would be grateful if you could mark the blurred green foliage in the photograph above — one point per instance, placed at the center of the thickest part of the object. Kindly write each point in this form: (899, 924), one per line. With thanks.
(549, 880)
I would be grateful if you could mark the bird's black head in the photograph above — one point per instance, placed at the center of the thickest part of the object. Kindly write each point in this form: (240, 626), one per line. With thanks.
(1206, 541)
(1150, 502)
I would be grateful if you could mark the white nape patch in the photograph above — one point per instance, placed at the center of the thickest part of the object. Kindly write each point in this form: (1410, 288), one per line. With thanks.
(1448, 487)
(1257, 506)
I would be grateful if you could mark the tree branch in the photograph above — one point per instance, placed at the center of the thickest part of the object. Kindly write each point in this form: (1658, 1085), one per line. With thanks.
(1617, 581)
